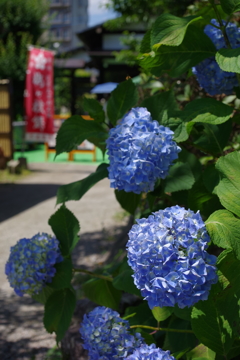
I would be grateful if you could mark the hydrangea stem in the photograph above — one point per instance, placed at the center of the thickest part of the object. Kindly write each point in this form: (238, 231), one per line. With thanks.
(99, 276)
(222, 26)
(161, 329)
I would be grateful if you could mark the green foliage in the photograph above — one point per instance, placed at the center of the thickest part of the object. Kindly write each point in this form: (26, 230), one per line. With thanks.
(75, 130)
(94, 108)
(176, 60)
(122, 99)
(180, 178)
(170, 30)
(161, 314)
(66, 227)
(160, 105)
(77, 189)
(228, 59)
(230, 6)
(228, 189)
(128, 201)
(200, 352)
(59, 310)
(63, 276)
(102, 292)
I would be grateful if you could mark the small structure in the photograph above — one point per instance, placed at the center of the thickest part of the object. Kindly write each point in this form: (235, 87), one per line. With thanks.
(6, 140)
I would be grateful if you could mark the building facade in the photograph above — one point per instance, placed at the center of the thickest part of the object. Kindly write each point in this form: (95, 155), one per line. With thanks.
(67, 18)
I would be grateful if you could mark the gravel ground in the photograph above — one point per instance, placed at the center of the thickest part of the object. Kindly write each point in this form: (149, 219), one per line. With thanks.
(25, 209)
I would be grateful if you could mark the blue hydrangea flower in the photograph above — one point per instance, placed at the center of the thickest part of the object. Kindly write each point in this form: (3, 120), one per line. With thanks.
(209, 75)
(150, 352)
(167, 252)
(106, 336)
(31, 263)
(140, 152)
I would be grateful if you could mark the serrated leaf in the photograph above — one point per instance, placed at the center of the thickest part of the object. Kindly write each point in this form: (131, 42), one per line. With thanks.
(179, 128)
(77, 189)
(62, 278)
(124, 282)
(128, 200)
(59, 310)
(122, 99)
(200, 352)
(180, 178)
(213, 138)
(176, 60)
(214, 320)
(161, 314)
(230, 6)
(43, 295)
(229, 266)
(228, 189)
(102, 292)
(95, 109)
(66, 227)
(224, 230)
(229, 60)
(170, 30)
(75, 130)
(206, 110)
(158, 104)
(146, 42)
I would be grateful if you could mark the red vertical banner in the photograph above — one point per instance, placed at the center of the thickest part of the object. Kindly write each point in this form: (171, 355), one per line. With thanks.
(39, 96)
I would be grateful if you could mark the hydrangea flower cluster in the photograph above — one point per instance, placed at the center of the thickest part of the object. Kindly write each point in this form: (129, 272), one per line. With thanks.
(106, 336)
(209, 75)
(31, 263)
(147, 352)
(167, 252)
(140, 152)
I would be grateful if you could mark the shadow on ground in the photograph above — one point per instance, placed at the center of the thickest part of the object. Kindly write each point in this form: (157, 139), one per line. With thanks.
(16, 198)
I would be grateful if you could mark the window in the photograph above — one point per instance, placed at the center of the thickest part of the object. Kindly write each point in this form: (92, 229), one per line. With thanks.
(66, 34)
(66, 17)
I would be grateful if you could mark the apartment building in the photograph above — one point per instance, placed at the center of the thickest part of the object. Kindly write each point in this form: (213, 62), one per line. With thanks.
(67, 18)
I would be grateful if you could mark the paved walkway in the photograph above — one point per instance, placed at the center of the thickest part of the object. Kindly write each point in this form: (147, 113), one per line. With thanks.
(24, 211)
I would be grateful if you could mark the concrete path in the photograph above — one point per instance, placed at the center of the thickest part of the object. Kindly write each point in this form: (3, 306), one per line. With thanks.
(24, 211)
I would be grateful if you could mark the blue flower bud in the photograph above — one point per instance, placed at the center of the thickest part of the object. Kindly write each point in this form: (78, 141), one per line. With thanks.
(106, 336)
(167, 252)
(140, 152)
(31, 263)
(147, 352)
(209, 75)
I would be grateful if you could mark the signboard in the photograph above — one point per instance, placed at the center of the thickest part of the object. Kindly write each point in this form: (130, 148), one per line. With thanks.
(39, 95)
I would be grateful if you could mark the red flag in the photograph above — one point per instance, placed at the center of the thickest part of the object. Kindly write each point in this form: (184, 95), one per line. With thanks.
(39, 96)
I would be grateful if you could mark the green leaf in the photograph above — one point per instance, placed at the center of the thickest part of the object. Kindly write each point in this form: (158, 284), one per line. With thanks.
(180, 178)
(128, 200)
(229, 266)
(62, 278)
(213, 138)
(161, 314)
(95, 109)
(102, 293)
(211, 178)
(58, 313)
(206, 110)
(179, 341)
(179, 128)
(230, 6)
(184, 314)
(43, 295)
(224, 230)
(75, 130)
(66, 227)
(77, 189)
(124, 282)
(122, 99)
(228, 60)
(176, 60)
(214, 320)
(170, 30)
(158, 104)
(228, 189)
(146, 42)
(195, 165)
(200, 352)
